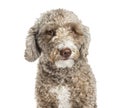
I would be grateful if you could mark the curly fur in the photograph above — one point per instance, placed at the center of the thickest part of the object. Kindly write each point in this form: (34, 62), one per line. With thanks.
(61, 87)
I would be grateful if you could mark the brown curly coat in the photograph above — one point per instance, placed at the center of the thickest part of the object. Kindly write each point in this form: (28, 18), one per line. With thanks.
(57, 87)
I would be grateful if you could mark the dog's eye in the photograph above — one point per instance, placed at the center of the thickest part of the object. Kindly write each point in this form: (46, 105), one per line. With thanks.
(73, 29)
(76, 31)
(51, 32)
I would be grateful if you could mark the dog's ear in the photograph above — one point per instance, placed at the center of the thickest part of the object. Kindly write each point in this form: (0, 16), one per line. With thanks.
(85, 44)
(32, 50)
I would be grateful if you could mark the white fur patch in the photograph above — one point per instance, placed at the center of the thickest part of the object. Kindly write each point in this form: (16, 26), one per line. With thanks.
(63, 96)
(64, 63)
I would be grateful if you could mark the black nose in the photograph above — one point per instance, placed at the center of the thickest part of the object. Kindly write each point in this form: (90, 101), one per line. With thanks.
(65, 52)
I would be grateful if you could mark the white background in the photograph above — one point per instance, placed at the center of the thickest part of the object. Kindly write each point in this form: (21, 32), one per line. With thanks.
(17, 76)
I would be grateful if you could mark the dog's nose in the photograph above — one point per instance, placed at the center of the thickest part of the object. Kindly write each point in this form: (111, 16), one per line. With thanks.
(65, 52)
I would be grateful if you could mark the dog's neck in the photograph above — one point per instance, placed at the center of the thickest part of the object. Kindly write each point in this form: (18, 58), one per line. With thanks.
(50, 71)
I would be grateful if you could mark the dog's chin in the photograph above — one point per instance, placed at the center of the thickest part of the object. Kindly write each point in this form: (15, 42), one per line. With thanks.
(65, 62)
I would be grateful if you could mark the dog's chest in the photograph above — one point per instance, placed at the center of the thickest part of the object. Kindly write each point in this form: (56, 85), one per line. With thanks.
(62, 94)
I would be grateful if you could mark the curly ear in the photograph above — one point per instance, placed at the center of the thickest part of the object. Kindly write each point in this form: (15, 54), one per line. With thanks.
(32, 51)
(85, 44)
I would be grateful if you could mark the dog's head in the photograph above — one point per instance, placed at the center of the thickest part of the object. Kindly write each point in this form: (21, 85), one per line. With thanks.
(60, 37)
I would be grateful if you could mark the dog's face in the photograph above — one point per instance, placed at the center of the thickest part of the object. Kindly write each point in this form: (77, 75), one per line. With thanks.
(60, 42)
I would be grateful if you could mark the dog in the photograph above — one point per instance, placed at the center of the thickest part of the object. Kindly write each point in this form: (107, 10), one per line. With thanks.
(64, 78)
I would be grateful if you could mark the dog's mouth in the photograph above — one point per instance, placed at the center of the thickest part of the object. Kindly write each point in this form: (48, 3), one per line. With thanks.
(65, 58)
(64, 63)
